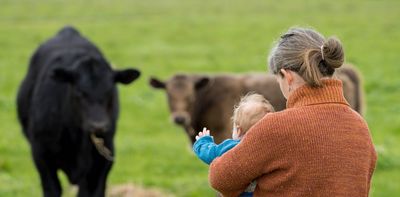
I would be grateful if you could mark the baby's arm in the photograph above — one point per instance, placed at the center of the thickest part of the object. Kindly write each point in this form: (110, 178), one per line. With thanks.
(207, 150)
(204, 148)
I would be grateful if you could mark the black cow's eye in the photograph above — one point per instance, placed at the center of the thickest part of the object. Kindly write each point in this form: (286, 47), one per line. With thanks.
(80, 94)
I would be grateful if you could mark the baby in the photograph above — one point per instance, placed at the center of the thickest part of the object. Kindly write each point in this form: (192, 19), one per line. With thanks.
(251, 109)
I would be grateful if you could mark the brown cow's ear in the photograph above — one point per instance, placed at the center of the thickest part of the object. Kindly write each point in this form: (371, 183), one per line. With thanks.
(64, 75)
(126, 76)
(200, 83)
(155, 83)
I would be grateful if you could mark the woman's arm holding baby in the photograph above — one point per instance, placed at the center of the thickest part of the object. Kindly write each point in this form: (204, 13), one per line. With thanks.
(231, 173)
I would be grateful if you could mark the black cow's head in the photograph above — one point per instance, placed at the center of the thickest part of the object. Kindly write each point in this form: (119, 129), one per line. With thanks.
(93, 91)
(181, 91)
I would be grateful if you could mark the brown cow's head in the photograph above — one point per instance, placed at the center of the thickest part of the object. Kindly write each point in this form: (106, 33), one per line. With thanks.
(181, 91)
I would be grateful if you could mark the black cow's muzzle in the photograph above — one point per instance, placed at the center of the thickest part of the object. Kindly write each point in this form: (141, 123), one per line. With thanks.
(98, 127)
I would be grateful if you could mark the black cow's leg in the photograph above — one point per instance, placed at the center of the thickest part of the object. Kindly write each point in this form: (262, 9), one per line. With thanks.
(48, 175)
(94, 183)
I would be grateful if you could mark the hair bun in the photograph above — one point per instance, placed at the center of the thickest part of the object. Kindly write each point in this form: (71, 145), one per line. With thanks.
(332, 53)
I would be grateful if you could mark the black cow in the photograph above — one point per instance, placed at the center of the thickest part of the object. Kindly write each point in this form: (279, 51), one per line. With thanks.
(68, 108)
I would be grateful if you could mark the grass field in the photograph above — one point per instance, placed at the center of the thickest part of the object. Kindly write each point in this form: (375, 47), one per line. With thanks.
(163, 37)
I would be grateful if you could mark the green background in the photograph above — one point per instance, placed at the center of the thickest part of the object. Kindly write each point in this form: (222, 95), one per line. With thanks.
(164, 37)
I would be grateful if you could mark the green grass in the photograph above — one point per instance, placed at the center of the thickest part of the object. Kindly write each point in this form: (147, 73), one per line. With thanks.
(162, 37)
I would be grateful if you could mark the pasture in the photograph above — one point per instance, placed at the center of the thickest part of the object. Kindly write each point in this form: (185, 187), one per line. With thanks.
(163, 37)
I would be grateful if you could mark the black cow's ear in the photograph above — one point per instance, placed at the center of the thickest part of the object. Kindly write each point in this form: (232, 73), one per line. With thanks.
(64, 75)
(155, 83)
(126, 76)
(200, 83)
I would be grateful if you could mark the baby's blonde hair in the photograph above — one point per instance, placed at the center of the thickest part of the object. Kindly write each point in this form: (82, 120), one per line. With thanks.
(251, 108)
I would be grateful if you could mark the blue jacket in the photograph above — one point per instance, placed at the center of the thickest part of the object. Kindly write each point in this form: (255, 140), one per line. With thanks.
(207, 150)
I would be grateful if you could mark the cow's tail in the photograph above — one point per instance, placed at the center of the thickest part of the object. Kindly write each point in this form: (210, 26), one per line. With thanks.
(355, 77)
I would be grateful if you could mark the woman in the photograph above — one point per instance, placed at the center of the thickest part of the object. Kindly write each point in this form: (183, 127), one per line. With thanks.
(318, 146)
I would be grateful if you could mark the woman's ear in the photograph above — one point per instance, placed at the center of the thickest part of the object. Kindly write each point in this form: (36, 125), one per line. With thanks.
(287, 75)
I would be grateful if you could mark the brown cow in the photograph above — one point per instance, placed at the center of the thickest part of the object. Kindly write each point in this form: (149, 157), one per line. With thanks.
(352, 87)
(198, 101)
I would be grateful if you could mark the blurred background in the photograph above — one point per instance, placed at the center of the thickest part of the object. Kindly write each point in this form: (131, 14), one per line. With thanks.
(164, 37)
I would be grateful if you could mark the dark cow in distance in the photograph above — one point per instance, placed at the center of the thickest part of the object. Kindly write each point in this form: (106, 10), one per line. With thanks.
(68, 108)
(198, 101)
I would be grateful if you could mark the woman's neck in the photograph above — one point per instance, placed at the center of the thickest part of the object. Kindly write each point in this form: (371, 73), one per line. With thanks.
(297, 83)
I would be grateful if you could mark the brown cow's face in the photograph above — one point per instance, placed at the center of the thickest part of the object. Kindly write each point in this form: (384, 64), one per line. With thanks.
(181, 98)
(181, 92)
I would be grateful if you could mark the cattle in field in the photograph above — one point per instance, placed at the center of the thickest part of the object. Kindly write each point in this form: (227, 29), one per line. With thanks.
(352, 87)
(68, 108)
(197, 101)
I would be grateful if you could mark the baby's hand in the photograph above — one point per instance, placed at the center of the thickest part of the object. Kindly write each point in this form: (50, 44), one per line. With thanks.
(203, 133)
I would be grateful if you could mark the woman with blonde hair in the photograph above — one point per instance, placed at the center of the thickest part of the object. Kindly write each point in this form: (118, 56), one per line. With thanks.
(318, 146)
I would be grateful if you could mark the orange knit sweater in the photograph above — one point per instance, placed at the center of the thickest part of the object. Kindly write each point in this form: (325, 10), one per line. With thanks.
(318, 146)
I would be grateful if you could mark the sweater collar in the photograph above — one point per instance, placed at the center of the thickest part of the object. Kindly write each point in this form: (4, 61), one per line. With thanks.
(330, 92)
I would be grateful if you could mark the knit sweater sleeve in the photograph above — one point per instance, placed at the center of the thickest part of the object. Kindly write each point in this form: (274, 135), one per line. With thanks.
(255, 155)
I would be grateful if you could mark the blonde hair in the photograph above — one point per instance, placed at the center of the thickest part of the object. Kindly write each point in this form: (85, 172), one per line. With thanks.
(251, 108)
(308, 53)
